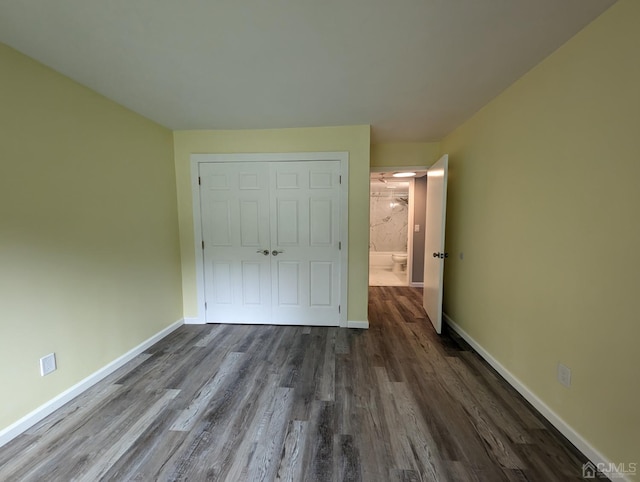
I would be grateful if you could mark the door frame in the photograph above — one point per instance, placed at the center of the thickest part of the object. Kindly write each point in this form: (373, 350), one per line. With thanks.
(411, 218)
(342, 157)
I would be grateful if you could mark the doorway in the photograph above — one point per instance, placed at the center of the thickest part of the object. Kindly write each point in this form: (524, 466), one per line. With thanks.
(397, 225)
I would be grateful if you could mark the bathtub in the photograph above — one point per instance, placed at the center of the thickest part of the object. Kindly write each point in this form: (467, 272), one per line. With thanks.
(381, 259)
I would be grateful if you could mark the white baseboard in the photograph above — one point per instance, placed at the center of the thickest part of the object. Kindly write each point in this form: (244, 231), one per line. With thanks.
(563, 427)
(193, 321)
(55, 403)
(363, 325)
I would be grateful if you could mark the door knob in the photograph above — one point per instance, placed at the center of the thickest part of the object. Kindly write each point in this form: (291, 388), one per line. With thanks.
(436, 255)
(275, 253)
(263, 251)
(440, 255)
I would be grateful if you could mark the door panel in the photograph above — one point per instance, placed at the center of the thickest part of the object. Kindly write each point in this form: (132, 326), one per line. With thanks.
(321, 180)
(287, 179)
(320, 225)
(221, 219)
(321, 283)
(248, 180)
(220, 282)
(218, 182)
(250, 224)
(288, 275)
(288, 222)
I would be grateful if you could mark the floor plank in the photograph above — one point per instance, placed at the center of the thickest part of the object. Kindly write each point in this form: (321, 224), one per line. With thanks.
(237, 402)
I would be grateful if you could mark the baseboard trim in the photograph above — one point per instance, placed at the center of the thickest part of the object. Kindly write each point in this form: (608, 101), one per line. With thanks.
(362, 325)
(417, 284)
(563, 427)
(29, 420)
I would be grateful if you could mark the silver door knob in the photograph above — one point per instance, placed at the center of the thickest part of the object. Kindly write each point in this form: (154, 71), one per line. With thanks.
(275, 253)
(263, 251)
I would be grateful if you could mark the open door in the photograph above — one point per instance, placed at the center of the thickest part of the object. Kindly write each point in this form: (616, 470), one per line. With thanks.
(434, 255)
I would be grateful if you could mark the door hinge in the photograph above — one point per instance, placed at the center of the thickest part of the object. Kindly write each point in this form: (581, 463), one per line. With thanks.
(205, 306)
(339, 179)
(202, 244)
(199, 181)
(338, 308)
(339, 245)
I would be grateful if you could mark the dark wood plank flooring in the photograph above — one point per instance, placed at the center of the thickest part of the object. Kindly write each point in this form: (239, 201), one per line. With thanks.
(235, 403)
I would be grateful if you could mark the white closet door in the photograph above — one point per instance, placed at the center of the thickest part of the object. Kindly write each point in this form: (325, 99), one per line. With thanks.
(305, 224)
(271, 242)
(235, 229)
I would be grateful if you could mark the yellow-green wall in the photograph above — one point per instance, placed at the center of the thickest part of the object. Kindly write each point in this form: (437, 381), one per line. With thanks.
(353, 139)
(89, 250)
(404, 154)
(544, 201)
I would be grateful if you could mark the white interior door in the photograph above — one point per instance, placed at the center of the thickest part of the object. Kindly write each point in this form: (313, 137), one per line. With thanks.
(434, 255)
(271, 234)
(305, 228)
(236, 235)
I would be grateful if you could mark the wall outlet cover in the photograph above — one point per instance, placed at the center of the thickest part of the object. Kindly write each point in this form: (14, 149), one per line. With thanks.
(564, 375)
(47, 364)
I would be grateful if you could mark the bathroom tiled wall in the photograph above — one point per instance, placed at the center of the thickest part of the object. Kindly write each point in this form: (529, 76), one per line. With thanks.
(388, 222)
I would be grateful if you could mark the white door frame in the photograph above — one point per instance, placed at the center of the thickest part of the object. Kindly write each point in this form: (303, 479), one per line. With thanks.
(343, 157)
(410, 230)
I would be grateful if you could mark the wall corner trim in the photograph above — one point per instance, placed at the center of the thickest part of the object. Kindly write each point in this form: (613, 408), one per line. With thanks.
(29, 420)
(563, 427)
(362, 325)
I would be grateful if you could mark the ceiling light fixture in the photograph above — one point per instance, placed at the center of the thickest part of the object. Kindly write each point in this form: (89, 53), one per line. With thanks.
(404, 174)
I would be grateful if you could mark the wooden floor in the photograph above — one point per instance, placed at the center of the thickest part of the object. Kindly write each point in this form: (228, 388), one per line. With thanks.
(217, 402)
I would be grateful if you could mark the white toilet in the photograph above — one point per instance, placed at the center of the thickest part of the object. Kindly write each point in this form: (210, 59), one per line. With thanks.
(399, 262)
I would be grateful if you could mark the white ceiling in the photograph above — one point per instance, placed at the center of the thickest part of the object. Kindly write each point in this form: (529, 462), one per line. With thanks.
(413, 69)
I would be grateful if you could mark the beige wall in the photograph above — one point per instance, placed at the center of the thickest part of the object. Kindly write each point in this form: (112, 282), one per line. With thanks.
(353, 139)
(544, 201)
(404, 154)
(89, 255)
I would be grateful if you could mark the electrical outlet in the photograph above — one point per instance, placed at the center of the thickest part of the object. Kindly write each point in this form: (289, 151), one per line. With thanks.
(564, 375)
(47, 364)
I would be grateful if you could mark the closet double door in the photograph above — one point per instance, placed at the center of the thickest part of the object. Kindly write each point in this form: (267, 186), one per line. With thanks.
(271, 241)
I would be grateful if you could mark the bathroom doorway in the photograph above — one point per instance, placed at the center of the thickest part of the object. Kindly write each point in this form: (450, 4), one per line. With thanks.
(396, 222)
